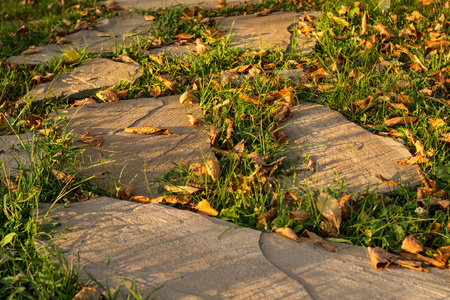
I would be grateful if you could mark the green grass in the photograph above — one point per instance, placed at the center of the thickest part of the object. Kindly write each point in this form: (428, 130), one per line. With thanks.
(374, 220)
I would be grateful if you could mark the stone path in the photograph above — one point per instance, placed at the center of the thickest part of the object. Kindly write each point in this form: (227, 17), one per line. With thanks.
(195, 256)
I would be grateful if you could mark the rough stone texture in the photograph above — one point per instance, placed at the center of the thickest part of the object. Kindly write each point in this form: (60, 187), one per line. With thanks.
(16, 152)
(84, 79)
(349, 273)
(254, 32)
(136, 156)
(196, 257)
(148, 4)
(122, 30)
(336, 144)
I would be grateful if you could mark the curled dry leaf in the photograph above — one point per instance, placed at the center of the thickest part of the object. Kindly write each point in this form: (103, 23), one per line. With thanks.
(31, 50)
(47, 132)
(420, 149)
(140, 199)
(400, 121)
(205, 208)
(124, 191)
(413, 160)
(33, 121)
(181, 189)
(287, 232)
(399, 106)
(364, 23)
(330, 209)
(109, 95)
(61, 176)
(157, 59)
(345, 205)
(155, 91)
(412, 244)
(214, 134)
(213, 168)
(444, 253)
(445, 137)
(188, 98)
(84, 101)
(317, 240)
(420, 258)
(91, 139)
(266, 218)
(171, 85)
(193, 120)
(361, 104)
(124, 58)
(300, 216)
(88, 293)
(436, 122)
(385, 180)
(380, 258)
(148, 130)
(290, 197)
(383, 30)
(184, 36)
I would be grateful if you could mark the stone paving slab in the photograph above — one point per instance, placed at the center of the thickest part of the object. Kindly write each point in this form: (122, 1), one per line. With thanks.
(349, 273)
(155, 4)
(253, 32)
(84, 79)
(16, 152)
(336, 144)
(195, 256)
(136, 156)
(122, 30)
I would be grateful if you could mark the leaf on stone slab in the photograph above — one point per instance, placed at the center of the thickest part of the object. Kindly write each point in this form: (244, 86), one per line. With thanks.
(409, 264)
(31, 50)
(330, 209)
(420, 258)
(385, 180)
(81, 25)
(124, 191)
(317, 240)
(400, 121)
(287, 232)
(41, 78)
(91, 139)
(412, 244)
(140, 199)
(181, 189)
(193, 120)
(188, 98)
(63, 41)
(380, 258)
(148, 130)
(176, 199)
(84, 101)
(155, 91)
(203, 207)
(300, 216)
(88, 293)
(124, 58)
(109, 95)
(413, 160)
(444, 253)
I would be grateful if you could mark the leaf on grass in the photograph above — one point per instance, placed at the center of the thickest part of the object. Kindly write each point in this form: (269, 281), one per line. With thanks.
(88, 293)
(287, 232)
(266, 217)
(436, 122)
(124, 191)
(361, 104)
(171, 85)
(47, 132)
(140, 199)
(155, 91)
(184, 36)
(300, 216)
(420, 149)
(84, 101)
(345, 205)
(383, 30)
(400, 121)
(124, 58)
(181, 189)
(380, 258)
(330, 209)
(413, 160)
(157, 59)
(212, 35)
(445, 137)
(34, 122)
(188, 98)
(148, 130)
(290, 197)
(444, 253)
(364, 23)
(213, 168)
(412, 244)
(91, 139)
(193, 120)
(71, 55)
(205, 208)
(214, 134)
(109, 95)
(385, 180)
(61, 176)
(399, 106)
(317, 240)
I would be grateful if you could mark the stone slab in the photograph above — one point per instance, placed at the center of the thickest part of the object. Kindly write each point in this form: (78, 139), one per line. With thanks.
(83, 80)
(253, 32)
(338, 145)
(135, 159)
(109, 34)
(349, 273)
(193, 256)
(155, 4)
(16, 153)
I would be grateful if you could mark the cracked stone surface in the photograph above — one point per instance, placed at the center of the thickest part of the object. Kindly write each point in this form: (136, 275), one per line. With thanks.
(195, 256)
(84, 79)
(134, 157)
(338, 145)
(16, 152)
(122, 30)
(349, 273)
(271, 31)
(148, 4)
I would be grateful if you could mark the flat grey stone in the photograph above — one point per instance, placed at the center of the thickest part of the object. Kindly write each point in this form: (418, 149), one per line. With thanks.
(338, 145)
(155, 4)
(135, 159)
(254, 32)
(109, 34)
(349, 273)
(193, 256)
(83, 80)
(16, 153)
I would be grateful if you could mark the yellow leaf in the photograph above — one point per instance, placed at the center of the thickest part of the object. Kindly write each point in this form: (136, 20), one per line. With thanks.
(184, 189)
(287, 232)
(330, 209)
(140, 199)
(445, 137)
(193, 120)
(109, 95)
(205, 208)
(411, 244)
(413, 160)
(188, 98)
(436, 122)
(72, 55)
(148, 130)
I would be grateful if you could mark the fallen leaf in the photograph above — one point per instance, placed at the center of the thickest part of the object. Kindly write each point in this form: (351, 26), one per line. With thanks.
(84, 101)
(266, 217)
(400, 121)
(445, 137)
(81, 25)
(88, 293)
(184, 36)
(31, 50)
(47, 132)
(330, 209)
(34, 122)
(300, 216)
(61, 176)
(361, 104)
(181, 189)
(420, 258)
(91, 139)
(157, 59)
(109, 95)
(413, 160)
(444, 253)
(71, 55)
(193, 120)
(436, 122)
(124, 191)
(383, 30)
(345, 205)
(317, 240)
(124, 58)
(155, 91)
(213, 168)
(171, 85)
(212, 35)
(140, 199)
(287, 232)
(148, 130)
(22, 30)
(188, 98)
(420, 149)
(412, 244)
(380, 258)
(399, 106)
(205, 208)
(364, 23)
(149, 18)
(290, 197)
(385, 180)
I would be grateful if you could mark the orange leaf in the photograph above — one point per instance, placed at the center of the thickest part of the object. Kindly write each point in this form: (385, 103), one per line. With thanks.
(287, 232)
(300, 216)
(413, 160)
(411, 244)
(140, 199)
(380, 258)
(205, 208)
(124, 191)
(155, 91)
(148, 130)
(400, 121)
(330, 209)
(385, 180)
(91, 139)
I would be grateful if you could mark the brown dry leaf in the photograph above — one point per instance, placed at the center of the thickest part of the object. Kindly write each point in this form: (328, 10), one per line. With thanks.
(41, 78)
(124, 191)
(22, 30)
(385, 180)
(140, 199)
(193, 120)
(330, 209)
(436, 122)
(281, 113)
(414, 16)
(148, 130)
(400, 121)
(124, 58)
(109, 95)
(34, 122)
(47, 132)
(423, 259)
(412, 244)
(317, 240)
(31, 50)
(300, 216)
(345, 205)
(445, 137)
(338, 20)
(91, 139)
(157, 59)
(184, 36)
(420, 149)
(177, 199)
(413, 160)
(84, 101)
(287, 232)
(214, 134)
(413, 265)
(444, 253)
(61, 176)
(81, 25)
(380, 258)
(181, 189)
(188, 98)
(204, 208)
(383, 30)
(213, 169)
(399, 106)
(361, 104)
(155, 91)
(171, 85)
(88, 293)
(290, 197)
(364, 23)
(212, 34)
(266, 217)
